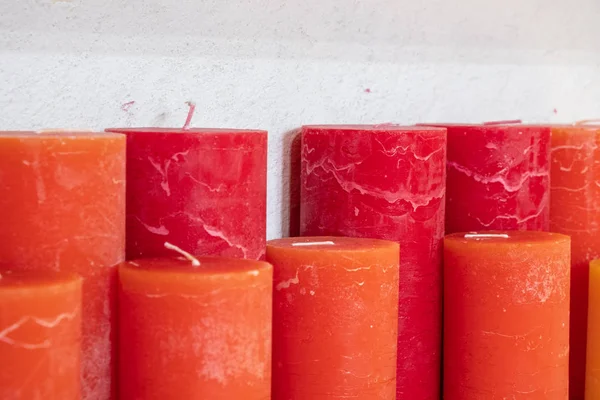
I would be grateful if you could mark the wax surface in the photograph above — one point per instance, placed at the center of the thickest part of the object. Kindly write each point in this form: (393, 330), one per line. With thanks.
(335, 313)
(575, 211)
(498, 177)
(195, 332)
(201, 189)
(40, 336)
(62, 207)
(592, 376)
(506, 316)
(387, 182)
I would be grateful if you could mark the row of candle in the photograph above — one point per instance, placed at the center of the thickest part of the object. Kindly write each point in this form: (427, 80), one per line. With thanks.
(205, 190)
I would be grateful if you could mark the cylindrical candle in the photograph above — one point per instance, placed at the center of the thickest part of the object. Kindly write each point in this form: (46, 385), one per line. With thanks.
(62, 207)
(575, 211)
(195, 331)
(498, 177)
(204, 189)
(506, 315)
(387, 182)
(335, 318)
(40, 336)
(592, 376)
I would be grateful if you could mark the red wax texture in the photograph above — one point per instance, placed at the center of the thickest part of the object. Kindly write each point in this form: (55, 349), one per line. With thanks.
(575, 211)
(387, 182)
(62, 207)
(195, 332)
(498, 178)
(203, 190)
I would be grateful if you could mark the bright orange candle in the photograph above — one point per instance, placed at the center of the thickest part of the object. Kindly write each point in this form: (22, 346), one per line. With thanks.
(506, 315)
(335, 318)
(40, 334)
(575, 211)
(592, 376)
(195, 332)
(62, 207)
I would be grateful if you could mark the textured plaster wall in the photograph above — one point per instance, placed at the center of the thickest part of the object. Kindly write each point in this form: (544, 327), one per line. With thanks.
(277, 64)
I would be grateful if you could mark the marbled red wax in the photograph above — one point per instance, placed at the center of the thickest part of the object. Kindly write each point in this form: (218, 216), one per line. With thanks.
(203, 190)
(498, 178)
(387, 182)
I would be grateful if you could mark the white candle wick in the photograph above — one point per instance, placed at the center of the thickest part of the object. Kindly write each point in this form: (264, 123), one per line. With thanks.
(486, 235)
(326, 243)
(190, 115)
(184, 253)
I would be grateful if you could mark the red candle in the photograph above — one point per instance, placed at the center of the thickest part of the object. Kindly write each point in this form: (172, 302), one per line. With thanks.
(498, 177)
(195, 330)
(40, 336)
(62, 207)
(204, 189)
(575, 211)
(387, 182)
(335, 313)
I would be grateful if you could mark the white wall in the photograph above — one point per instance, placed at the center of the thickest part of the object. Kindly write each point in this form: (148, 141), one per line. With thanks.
(276, 65)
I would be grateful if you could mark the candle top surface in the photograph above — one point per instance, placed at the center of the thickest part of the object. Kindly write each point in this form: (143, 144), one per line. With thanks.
(208, 265)
(330, 244)
(193, 131)
(500, 238)
(376, 127)
(57, 134)
(18, 280)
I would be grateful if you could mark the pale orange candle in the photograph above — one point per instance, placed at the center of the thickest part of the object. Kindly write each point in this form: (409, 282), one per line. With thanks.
(40, 336)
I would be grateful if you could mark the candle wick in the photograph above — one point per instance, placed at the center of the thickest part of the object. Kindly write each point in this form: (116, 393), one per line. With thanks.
(505, 122)
(330, 243)
(190, 115)
(184, 253)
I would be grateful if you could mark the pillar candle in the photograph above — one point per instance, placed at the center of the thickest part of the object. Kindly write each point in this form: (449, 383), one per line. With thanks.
(506, 315)
(195, 331)
(592, 376)
(40, 336)
(62, 207)
(498, 177)
(575, 211)
(204, 189)
(387, 182)
(335, 318)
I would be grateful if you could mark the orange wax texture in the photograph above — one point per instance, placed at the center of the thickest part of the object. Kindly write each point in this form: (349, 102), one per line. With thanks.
(575, 211)
(506, 315)
(592, 376)
(40, 336)
(195, 332)
(62, 207)
(335, 318)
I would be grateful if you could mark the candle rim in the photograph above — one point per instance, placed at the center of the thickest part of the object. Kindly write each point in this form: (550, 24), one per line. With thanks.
(58, 134)
(209, 266)
(24, 280)
(374, 127)
(505, 237)
(342, 244)
(194, 131)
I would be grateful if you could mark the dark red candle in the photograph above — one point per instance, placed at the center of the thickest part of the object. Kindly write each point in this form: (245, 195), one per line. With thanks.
(387, 182)
(498, 177)
(201, 189)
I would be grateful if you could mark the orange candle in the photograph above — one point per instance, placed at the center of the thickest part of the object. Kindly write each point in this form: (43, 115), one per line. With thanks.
(575, 211)
(40, 335)
(195, 331)
(592, 376)
(506, 315)
(335, 318)
(62, 207)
